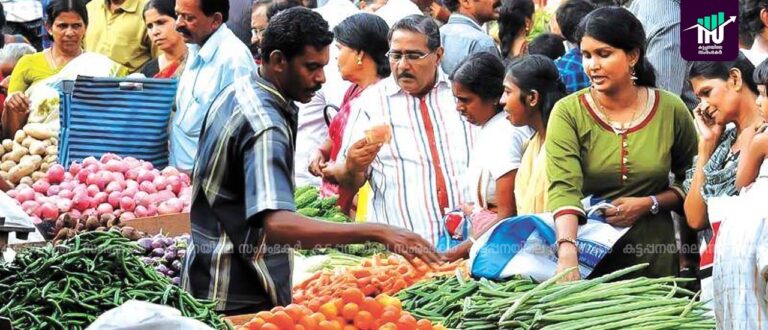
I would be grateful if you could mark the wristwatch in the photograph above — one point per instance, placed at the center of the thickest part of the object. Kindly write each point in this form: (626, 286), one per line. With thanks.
(655, 206)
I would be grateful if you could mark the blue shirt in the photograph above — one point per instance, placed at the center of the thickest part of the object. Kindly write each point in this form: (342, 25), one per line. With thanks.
(460, 37)
(210, 68)
(572, 71)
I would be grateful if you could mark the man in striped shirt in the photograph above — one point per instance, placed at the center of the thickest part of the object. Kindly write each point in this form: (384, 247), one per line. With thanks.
(419, 173)
(243, 220)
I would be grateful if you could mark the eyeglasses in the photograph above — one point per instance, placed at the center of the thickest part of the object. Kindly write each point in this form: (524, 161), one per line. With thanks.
(395, 57)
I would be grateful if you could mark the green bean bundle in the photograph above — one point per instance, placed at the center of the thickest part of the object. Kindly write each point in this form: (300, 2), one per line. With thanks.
(519, 303)
(70, 285)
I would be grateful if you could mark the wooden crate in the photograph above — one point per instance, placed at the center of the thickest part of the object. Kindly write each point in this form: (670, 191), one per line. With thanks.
(169, 224)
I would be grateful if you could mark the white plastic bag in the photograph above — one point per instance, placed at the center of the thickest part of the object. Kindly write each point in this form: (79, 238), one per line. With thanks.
(739, 280)
(525, 245)
(141, 315)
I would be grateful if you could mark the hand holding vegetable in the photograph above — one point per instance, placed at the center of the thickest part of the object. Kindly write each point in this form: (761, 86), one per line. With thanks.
(361, 155)
(407, 244)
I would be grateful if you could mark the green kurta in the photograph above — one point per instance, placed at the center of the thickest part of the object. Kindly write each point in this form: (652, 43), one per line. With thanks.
(585, 156)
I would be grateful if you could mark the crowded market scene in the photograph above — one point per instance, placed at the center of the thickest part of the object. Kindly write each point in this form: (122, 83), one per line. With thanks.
(248, 164)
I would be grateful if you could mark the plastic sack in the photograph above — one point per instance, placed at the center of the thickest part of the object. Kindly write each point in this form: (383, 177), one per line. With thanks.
(140, 315)
(45, 97)
(740, 267)
(525, 245)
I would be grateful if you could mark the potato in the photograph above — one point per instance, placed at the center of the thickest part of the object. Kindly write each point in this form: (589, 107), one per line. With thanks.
(14, 156)
(37, 175)
(23, 149)
(2, 150)
(54, 141)
(52, 150)
(35, 160)
(45, 166)
(19, 136)
(20, 171)
(39, 131)
(8, 144)
(51, 159)
(26, 180)
(37, 148)
(7, 165)
(28, 141)
(4, 175)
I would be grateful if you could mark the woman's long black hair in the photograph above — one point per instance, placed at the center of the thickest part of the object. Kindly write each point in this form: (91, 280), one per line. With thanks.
(619, 28)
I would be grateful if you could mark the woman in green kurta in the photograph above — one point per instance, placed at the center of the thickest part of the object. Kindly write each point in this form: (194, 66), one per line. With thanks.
(619, 140)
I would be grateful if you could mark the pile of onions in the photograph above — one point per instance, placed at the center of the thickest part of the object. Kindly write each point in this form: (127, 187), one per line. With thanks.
(127, 188)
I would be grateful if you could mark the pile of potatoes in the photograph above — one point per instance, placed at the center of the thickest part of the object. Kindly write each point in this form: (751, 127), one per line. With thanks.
(27, 157)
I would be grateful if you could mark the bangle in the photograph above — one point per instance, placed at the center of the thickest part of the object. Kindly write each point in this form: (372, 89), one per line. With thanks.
(566, 240)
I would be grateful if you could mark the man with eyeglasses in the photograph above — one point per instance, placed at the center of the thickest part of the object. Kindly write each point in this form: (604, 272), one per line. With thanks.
(417, 175)
(216, 59)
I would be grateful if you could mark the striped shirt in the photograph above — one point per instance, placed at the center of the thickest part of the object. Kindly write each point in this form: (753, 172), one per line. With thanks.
(422, 170)
(661, 22)
(244, 167)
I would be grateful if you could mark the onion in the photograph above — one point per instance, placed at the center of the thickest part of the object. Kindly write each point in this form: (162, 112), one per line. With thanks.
(151, 211)
(93, 190)
(30, 206)
(140, 211)
(49, 211)
(81, 201)
(55, 174)
(105, 158)
(90, 160)
(105, 208)
(12, 194)
(127, 204)
(75, 168)
(127, 216)
(90, 212)
(185, 179)
(146, 243)
(132, 174)
(53, 190)
(174, 181)
(147, 187)
(114, 165)
(41, 186)
(119, 177)
(102, 179)
(100, 197)
(164, 208)
(147, 165)
(160, 182)
(66, 194)
(25, 194)
(82, 175)
(64, 205)
(142, 198)
(170, 170)
(75, 214)
(163, 196)
(113, 186)
(145, 175)
(114, 198)
(175, 204)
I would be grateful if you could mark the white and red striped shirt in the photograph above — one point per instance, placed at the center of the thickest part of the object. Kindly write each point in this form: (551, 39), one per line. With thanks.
(420, 172)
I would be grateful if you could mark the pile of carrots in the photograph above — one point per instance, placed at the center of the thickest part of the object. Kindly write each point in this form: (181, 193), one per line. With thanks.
(351, 311)
(375, 276)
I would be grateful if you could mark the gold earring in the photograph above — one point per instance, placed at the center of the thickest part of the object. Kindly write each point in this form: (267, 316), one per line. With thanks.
(633, 75)
(359, 60)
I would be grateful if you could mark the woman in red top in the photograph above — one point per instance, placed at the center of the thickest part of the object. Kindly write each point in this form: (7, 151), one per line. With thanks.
(160, 17)
(363, 45)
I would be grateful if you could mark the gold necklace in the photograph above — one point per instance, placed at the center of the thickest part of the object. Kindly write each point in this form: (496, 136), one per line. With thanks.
(625, 126)
(54, 64)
